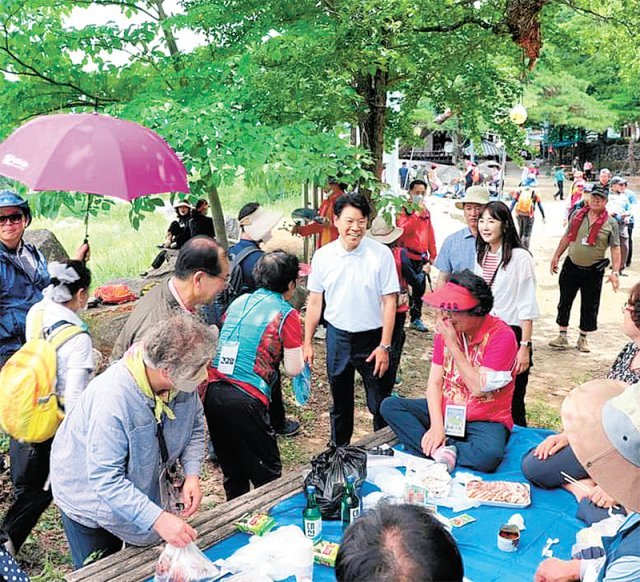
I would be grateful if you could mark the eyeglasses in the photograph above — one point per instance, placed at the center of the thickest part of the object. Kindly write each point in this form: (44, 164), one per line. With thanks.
(225, 280)
(12, 218)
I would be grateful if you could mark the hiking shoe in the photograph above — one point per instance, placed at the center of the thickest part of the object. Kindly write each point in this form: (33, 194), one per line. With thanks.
(290, 428)
(418, 325)
(582, 345)
(447, 455)
(560, 343)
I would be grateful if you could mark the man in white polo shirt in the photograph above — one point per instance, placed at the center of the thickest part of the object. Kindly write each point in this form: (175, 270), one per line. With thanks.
(358, 279)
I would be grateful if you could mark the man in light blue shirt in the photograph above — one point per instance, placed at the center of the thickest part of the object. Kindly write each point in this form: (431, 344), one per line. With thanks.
(458, 251)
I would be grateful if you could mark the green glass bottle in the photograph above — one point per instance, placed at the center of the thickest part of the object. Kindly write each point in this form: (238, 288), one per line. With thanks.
(350, 505)
(311, 516)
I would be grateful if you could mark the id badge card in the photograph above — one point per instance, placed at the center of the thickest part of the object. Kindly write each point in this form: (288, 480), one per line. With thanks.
(585, 242)
(455, 420)
(228, 357)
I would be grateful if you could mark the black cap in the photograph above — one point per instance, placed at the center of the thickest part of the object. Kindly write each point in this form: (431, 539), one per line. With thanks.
(599, 190)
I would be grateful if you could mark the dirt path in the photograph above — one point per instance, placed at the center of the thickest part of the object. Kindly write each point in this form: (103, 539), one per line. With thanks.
(555, 373)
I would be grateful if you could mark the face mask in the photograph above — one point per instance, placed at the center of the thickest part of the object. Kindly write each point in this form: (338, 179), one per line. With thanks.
(191, 383)
(417, 198)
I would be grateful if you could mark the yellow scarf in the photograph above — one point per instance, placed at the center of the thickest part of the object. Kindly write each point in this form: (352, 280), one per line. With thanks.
(135, 364)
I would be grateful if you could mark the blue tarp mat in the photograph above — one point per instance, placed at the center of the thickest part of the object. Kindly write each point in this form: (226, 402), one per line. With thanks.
(551, 514)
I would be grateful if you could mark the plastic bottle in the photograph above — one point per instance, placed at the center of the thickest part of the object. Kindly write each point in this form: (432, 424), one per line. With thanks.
(350, 504)
(311, 516)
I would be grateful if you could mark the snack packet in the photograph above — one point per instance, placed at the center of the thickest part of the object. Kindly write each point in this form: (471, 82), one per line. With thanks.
(255, 523)
(325, 553)
(461, 520)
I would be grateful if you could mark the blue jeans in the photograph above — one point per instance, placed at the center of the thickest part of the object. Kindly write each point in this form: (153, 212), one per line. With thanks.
(88, 544)
(481, 449)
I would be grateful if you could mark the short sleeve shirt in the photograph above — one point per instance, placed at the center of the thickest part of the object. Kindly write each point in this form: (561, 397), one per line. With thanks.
(585, 255)
(353, 283)
(494, 347)
(458, 252)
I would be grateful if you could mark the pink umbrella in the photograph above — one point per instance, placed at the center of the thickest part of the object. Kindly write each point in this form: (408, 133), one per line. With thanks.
(92, 153)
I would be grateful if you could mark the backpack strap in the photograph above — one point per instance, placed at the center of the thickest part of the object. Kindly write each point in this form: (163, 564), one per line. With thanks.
(243, 254)
(61, 332)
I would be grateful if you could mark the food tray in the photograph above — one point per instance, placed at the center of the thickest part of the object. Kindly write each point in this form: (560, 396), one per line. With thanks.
(523, 486)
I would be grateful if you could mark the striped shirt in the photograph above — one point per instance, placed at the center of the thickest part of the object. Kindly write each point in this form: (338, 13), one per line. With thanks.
(490, 265)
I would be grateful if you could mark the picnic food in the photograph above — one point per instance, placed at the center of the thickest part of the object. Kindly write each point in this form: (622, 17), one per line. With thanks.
(255, 523)
(325, 552)
(508, 492)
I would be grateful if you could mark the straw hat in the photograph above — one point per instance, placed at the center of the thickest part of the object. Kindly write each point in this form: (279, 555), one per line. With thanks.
(382, 232)
(601, 419)
(474, 195)
(259, 224)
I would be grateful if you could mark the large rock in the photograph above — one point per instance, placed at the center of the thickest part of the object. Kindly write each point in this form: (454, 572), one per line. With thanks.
(47, 243)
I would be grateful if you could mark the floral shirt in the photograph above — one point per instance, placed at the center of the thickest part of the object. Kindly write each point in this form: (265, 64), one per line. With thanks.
(621, 369)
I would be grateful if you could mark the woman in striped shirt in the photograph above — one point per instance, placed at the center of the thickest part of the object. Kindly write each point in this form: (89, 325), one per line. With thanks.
(503, 262)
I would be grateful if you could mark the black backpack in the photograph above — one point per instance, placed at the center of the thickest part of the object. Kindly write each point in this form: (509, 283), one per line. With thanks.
(235, 287)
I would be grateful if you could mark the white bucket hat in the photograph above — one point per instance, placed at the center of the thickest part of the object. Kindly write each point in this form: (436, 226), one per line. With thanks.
(259, 224)
(474, 195)
(382, 232)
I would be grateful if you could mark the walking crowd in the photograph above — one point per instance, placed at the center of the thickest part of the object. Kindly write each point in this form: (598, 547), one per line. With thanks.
(124, 465)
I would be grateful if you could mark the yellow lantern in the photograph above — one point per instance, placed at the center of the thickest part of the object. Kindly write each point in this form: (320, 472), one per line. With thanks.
(518, 114)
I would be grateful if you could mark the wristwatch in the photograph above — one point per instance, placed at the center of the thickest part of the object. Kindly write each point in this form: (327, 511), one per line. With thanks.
(524, 343)
(385, 347)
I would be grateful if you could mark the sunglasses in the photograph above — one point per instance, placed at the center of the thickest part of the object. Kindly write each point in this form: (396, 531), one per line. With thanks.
(12, 218)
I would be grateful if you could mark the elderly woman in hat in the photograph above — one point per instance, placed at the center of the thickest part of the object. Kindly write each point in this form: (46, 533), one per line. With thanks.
(466, 416)
(602, 423)
(126, 460)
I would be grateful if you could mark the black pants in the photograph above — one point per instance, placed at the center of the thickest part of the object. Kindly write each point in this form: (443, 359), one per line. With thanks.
(525, 227)
(346, 353)
(243, 437)
(29, 473)
(417, 291)
(560, 192)
(518, 411)
(276, 408)
(629, 255)
(587, 280)
(397, 343)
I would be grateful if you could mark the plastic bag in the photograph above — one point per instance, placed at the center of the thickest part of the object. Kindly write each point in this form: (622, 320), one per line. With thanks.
(186, 564)
(329, 471)
(301, 385)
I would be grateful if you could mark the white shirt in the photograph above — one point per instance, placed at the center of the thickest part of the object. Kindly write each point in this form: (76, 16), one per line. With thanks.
(353, 283)
(74, 359)
(514, 288)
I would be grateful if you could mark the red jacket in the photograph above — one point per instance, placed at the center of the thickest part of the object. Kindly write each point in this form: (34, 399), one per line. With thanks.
(418, 237)
(327, 232)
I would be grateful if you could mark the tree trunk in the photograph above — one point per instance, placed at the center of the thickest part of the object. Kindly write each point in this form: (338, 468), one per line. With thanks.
(218, 217)
(631, 158)
(170, 39)
(372, 122)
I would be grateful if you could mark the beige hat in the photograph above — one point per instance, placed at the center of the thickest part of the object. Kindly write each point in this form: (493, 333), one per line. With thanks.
(601, 419)
(382, 232)
(259, 224)
(474, 195)
(182, 203)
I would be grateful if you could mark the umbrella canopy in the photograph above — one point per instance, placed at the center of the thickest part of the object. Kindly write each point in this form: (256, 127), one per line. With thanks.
(93, 153)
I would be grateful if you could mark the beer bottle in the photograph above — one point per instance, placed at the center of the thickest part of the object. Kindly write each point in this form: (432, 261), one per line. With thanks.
(350, 505)
(311, 516)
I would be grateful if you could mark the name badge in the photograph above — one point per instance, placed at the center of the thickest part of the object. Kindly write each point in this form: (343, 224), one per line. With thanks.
(228, 357)
(455, 420)
(585, 242)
